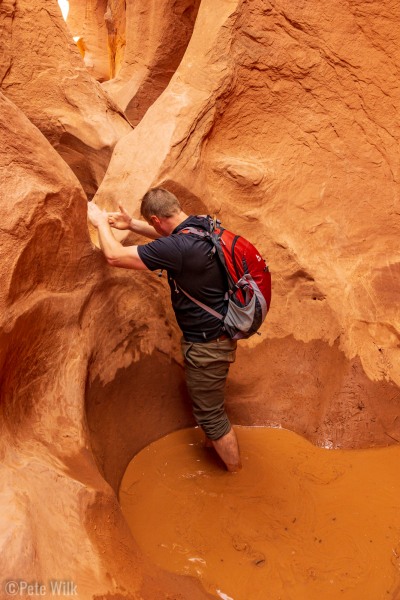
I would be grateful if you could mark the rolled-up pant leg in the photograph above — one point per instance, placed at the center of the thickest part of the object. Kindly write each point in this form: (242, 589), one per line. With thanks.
(207, 366)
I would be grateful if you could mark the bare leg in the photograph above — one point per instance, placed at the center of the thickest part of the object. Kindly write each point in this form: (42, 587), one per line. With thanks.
(228, 450)
(208, 443)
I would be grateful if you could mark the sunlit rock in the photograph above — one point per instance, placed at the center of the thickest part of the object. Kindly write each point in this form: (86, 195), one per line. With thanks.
(156, 34)
(87, 23)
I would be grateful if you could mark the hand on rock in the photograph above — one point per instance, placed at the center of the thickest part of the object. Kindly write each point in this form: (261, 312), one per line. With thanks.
(96, 215)
(119, 220)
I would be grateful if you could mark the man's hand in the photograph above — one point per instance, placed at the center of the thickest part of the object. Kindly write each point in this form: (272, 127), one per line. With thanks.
(95, 215)
(115, 253)
(120, 220)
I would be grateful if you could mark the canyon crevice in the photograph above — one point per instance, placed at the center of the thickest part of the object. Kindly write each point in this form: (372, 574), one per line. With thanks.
(279, 117)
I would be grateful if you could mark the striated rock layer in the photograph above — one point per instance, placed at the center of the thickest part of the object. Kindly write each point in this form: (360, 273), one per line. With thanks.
(42, 71)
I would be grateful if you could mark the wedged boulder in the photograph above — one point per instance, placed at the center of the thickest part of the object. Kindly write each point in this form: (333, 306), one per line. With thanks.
(157, 33)
(42, 72)
(282, 119)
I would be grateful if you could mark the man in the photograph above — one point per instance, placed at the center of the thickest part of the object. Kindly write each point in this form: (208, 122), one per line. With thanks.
(192, 268)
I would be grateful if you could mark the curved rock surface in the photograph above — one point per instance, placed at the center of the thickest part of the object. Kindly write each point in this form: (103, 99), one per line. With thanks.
(86, 21)
(133, 47)
(115, 18)
(282, 119)
(157, 34)
(42, 71)
(60, 519)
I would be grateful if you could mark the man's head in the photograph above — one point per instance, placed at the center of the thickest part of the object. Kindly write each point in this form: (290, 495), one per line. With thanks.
(161, 209)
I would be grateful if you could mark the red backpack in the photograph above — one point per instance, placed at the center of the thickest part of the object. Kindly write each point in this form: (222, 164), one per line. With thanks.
(249, 281)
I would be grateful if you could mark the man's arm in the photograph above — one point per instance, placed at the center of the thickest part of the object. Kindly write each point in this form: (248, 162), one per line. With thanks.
(116, 254)
(143, 228)
(122, 220)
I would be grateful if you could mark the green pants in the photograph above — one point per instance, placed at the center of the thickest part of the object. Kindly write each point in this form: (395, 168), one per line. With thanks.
(206, 367)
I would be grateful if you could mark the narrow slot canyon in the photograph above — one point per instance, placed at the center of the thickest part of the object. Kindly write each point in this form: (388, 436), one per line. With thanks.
(281, 119)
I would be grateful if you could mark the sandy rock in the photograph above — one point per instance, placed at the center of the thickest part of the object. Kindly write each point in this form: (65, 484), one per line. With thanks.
(46, 253)
(115, 18)
(61, 317)
(157, 34)
(282, 118)
(86, 21)
(164, 136)
(41, 70)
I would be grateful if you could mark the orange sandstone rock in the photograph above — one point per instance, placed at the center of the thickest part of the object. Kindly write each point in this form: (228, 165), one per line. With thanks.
(46, 258)
(41, 70)
(62, 316)
(282, 118)
(86, 21)
(157, 34)
(115, 18)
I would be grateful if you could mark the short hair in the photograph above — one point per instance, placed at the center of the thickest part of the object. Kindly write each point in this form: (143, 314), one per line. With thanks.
(159, 202)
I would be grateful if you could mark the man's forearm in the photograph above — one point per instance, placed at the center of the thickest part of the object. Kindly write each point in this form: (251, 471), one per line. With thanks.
(143, 228)
(110, 246)
(116, 254)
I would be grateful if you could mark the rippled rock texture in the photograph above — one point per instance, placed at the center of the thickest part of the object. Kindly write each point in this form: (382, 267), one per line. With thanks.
(279, 116)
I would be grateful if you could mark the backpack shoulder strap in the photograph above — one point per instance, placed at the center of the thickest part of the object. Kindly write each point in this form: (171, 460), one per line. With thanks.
(200, 232)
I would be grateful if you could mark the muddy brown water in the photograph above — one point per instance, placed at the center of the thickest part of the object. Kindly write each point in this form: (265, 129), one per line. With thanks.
(297, 523)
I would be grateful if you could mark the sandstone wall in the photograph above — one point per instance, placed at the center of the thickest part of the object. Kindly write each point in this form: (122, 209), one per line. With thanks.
(42, 71)
(63, 316)
(86, 20)
(281, 118)
(133, 47)
(157, 34)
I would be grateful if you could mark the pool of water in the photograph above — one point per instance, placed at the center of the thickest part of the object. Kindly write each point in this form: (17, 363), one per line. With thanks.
(297, 523)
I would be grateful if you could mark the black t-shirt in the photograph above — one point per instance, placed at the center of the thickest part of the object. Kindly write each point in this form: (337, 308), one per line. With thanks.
(189, 262)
